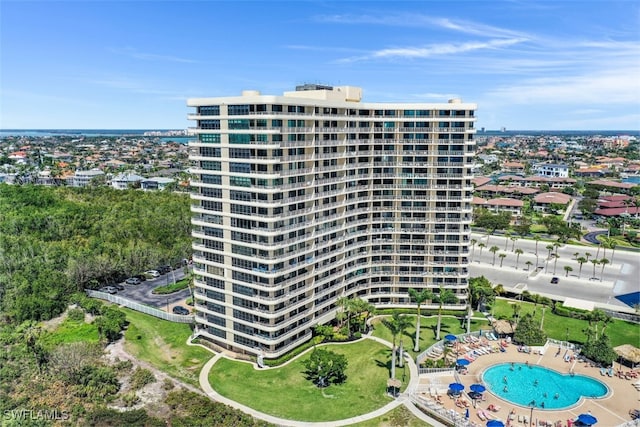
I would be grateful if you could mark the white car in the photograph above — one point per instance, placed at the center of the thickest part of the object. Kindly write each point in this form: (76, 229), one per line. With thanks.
(152, 273)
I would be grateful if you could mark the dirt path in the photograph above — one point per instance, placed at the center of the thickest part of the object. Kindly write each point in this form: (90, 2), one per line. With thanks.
(116, 350)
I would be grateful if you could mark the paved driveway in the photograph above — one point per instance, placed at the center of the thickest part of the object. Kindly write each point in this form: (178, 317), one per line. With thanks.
(142, 293)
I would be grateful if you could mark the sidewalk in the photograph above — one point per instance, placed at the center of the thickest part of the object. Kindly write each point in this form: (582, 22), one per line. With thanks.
(404, 399)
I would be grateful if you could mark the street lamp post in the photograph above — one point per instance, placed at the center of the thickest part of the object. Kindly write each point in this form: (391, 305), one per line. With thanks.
(167, 305)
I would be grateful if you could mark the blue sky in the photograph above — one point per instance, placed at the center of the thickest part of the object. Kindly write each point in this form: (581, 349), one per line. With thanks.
(529, 65)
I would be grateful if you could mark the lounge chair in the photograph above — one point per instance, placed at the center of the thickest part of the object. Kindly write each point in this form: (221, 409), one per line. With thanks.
(603, 371)
(481, 415)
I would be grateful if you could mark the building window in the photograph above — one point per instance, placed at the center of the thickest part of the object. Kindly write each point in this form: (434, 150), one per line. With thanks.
(209, 124)
(209, 138)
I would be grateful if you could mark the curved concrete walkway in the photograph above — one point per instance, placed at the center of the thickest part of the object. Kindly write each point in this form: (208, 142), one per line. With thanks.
(404, 398)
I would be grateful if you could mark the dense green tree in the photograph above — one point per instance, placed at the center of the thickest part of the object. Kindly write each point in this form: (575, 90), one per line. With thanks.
(325, 367)
(528, 332)
(599, 350)
(56, 241)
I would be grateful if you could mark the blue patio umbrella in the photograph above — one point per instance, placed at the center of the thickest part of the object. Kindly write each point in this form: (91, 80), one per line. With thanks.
(478, 388)
(462, 362)
(457, 387)
(495, 423)
(450, 337)
(587, 419)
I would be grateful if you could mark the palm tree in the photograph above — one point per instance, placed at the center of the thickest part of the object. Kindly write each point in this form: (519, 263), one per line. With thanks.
(537, 239)
(513, 245)
(549, 248)
(395, 326)
(587, 255)
(518, 253)
(419, 297)
(567, 269)
(493, 250)
(516, 312)
(555, 263)
(404, 324)
(607, 243)
(481, 246)
(594, 262)
(556, 245)
(529, 264)
(576, 255)
(445, 296)
(473, 247)
(502, 257)
(581, 260)
(507, 236)
(345, 304)
(604, 262)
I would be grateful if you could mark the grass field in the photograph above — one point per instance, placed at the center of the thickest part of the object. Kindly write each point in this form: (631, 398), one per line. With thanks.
(72, 331)
(285, 392)
(163, 344)
(428, 326)
(563, 328)
(399, 416)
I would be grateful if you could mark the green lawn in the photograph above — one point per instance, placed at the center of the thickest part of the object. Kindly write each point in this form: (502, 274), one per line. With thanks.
(71, 331)
(428, 326)
(619, 331)
(284, 391)
(399, 416)
(163, 344)
(172, 287)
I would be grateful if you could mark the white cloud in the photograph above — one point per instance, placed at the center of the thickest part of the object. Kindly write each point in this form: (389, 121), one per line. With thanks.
(616, 86)
(435, 50)
(420, 20)
(135, 54)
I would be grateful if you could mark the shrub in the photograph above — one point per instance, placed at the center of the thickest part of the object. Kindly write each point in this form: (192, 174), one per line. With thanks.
(130, 399)
(76, 315)
(141, 377)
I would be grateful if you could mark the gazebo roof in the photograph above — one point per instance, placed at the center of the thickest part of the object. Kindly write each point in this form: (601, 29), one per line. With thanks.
(629, 352)
(503, 327)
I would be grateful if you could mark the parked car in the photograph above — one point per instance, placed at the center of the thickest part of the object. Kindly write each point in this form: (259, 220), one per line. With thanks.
(142, 277)
(178, 309)
(133, 281)
(109, 290)
(164, 269)
(118, 286)
(152, 273)
(555, 280)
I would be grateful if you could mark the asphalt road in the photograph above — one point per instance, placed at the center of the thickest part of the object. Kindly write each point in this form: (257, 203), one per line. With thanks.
(621, 276)
(142, 293)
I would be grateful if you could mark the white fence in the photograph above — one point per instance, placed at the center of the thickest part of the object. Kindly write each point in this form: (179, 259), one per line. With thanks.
(141, 307)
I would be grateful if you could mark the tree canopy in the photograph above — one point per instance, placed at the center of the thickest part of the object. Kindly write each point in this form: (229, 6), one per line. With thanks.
(56, 241)
(325, 367)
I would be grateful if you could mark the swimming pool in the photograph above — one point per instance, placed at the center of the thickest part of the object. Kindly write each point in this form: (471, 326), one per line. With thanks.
(541, 387)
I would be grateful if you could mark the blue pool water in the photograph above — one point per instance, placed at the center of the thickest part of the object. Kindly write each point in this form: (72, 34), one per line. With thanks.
(526, 384)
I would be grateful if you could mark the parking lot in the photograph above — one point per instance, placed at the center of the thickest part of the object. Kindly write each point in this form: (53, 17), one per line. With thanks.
(142, 293)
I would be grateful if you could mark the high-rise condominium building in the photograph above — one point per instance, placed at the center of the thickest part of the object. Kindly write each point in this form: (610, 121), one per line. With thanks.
(304, 198)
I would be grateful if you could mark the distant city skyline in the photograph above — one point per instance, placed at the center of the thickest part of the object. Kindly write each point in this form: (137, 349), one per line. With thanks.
(562, 65)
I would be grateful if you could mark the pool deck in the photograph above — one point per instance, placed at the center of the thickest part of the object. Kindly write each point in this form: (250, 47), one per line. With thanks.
(611, 410)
